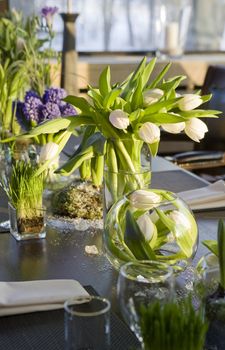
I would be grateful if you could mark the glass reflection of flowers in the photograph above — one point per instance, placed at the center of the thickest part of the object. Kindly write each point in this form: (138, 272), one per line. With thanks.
(150, 225)
(133, 110)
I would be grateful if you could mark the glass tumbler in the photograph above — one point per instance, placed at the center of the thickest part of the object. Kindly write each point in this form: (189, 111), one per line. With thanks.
(87, 323)
(142, 283)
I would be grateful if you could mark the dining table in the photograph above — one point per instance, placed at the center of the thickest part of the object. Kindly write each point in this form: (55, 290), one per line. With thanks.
(62, 255)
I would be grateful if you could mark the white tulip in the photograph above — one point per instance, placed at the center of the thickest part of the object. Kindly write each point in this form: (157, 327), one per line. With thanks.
(48, 151)
(144, 199)
(180, 220)
(174, 128)
(119, 119)
(20, 44)
(146, 226)
(149, 132)
(195, 129)
(152, 96)
(189, 102)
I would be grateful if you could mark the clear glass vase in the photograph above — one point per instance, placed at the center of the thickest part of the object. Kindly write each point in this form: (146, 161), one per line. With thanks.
(127, 168)
(214, 296)
(27, 224)
(142, 283)
(150, 225)
(170, 24)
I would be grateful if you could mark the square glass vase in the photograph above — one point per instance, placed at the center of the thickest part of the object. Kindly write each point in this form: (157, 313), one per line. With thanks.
(23, 228)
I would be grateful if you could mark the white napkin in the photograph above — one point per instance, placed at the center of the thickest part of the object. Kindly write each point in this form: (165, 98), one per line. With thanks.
(24, 297)
(209, 197)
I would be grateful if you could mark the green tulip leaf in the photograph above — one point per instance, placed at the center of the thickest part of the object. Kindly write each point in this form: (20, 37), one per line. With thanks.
(111, 97)
(212, 245)
(147, 72)
(221, 251)
(135, 239)
(80, 103)
(105, 81)
(160, 76)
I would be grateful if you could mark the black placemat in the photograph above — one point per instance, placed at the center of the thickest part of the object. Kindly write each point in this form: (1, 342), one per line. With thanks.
(45, 331)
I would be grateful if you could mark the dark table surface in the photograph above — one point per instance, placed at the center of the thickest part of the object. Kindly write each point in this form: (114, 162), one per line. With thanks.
(61, 254)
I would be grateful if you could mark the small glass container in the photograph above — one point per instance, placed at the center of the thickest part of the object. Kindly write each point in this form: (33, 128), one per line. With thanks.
(142, 283)
(87, 323)
(23, 226)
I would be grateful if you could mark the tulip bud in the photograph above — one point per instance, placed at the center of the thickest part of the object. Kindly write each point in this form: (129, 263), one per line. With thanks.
(195, 129)
(152, 96)
(119, 119)
(20, 44)
(48, 151)
(189, 102)
(181, 221)
(146, 226)
(149, 132)
(174, 128)
(144, 199)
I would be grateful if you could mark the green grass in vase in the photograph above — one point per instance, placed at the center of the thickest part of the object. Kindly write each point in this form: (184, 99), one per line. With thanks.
(172, 326)
(24, 189)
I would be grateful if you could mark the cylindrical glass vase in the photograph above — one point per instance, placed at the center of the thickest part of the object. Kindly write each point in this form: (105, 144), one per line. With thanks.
(127, 168)
(170, 26)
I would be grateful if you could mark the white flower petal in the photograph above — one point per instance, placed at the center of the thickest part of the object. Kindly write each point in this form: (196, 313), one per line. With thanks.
(144, 199)
(146, 226)
(174, 128)
(149, 132)
(189, 102)
(48, 151)
(195, 128)
(119, 119)
(181, 221)
(151, 96)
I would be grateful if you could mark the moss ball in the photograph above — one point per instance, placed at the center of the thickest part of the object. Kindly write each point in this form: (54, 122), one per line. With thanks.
(78, 200)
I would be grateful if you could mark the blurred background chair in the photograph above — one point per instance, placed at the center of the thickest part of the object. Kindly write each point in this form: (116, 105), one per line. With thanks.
(207, 158)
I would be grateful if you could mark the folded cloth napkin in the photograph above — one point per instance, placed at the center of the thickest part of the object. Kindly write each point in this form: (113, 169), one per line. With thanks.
(209, 197)
(24, 297)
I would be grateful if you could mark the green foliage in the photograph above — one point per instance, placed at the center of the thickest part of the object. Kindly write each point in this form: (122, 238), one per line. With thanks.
(221, 251)
(24, 63)
(218, 248)
(23, 188)
(13, 83)
(172, 326)
(135, 240)
(19, 41)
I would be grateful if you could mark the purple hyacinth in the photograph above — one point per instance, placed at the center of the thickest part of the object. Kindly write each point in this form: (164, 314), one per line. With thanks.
(23, 122)
(67, 110)
(48, 11)
(49, 110)
(54, 95)
(31, 107)
(35, 109)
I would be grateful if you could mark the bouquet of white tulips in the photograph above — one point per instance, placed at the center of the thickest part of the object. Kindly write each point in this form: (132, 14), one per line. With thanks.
(150, 225)
(121, 118)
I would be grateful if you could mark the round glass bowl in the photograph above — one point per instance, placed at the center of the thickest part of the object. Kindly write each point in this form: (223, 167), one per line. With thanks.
(150, 224)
